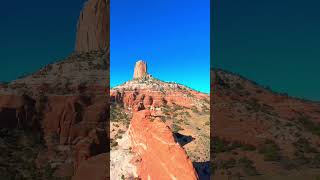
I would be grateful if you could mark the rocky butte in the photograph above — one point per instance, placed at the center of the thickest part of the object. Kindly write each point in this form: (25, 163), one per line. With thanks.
(148, 137)
(140, 70)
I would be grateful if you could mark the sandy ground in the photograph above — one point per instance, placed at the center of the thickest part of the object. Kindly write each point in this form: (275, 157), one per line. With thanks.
(120, 165)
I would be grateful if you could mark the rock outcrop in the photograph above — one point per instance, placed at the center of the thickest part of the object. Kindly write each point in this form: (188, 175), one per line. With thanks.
(159, 156)
(140, 70)
(93, 26)
(157, 110)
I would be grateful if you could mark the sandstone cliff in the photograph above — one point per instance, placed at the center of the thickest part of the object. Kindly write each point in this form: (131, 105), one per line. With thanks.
(93, 26)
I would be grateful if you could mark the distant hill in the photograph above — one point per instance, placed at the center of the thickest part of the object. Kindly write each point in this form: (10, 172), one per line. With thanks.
(260, 134)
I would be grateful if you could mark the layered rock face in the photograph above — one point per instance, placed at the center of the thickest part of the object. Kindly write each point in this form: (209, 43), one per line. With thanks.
(72, 127)
(93, 26)
(140, 70)
(158, 155)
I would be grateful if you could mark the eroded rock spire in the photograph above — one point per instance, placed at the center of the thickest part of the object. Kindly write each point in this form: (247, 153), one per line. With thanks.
(93, 26)
(140, 70)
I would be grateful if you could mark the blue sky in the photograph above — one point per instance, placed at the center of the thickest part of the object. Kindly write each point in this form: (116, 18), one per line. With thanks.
(172, 36)
(275, 43)
(35, 33)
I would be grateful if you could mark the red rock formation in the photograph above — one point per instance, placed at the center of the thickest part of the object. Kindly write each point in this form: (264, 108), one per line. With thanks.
(159, 156)
(140, 70)
(76, 123)
(149, 98)
(93, 26)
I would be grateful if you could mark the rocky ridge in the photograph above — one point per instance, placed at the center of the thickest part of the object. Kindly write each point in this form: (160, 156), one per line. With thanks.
(261, 134)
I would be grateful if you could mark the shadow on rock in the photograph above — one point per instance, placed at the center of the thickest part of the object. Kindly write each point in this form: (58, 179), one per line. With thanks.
(182, 139)
(203, 169)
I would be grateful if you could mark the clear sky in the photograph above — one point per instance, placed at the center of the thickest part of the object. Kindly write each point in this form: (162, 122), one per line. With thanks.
(35, 33)
(172, 36)
(275, 43)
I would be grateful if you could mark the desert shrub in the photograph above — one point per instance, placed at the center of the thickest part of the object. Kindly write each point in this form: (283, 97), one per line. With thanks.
(205, 109)
(48, 171)
(303, 145)
(207, 123)
(117, 114)
(247, 166)
(187, 114)
(300, 158)
(239, 86)
(176, 128)
(177, 107)
(220, 145)
(163, 118)
(228, 164)
(315, 161)
(166, 110)
(186, 122)
(309, 125)
(253, 105)
(113, 143)
(247, 147)
(194, 109)
(121, 131)
(270, 151)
